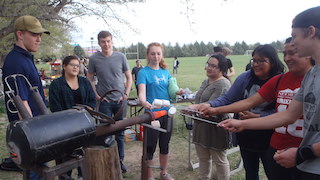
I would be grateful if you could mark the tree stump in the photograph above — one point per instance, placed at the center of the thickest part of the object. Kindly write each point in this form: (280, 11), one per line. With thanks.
(103, 163)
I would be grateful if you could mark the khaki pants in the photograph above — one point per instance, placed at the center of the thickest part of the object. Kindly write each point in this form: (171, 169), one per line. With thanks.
(219, 158)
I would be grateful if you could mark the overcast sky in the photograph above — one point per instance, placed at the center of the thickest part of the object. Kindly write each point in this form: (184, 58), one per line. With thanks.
(229, 21)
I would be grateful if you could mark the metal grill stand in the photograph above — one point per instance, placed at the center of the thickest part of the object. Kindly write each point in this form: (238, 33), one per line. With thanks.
(192, 166)
(49, 173)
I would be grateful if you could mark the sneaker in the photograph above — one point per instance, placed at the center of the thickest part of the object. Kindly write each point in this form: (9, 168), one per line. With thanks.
(65, 177)
(166, 176)
(123, 167)
(8, 165)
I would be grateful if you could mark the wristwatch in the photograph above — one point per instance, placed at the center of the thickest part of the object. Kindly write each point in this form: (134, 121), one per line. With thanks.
(305, 153)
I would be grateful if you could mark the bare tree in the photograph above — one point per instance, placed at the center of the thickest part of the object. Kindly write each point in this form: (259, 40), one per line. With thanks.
(57, 15)
(188, 11)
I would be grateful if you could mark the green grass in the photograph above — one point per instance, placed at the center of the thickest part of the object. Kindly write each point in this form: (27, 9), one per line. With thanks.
(191, 71)
(45, 66)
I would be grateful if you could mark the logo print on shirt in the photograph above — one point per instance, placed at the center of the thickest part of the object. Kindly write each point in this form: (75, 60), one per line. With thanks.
(285, 96)
(309, 105)
(158, 80)
(250, 92)
(310, 108)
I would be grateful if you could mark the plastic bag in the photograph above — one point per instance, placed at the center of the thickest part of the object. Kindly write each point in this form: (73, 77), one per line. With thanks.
(173, 89)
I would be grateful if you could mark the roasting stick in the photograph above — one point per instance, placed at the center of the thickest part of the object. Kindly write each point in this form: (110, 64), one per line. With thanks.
(195, 117)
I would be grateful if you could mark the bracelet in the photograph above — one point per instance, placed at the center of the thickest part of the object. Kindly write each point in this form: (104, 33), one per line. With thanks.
(305, 153)
(125, 94)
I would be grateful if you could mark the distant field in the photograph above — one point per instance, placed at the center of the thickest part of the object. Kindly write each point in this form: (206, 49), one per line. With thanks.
(191, 69)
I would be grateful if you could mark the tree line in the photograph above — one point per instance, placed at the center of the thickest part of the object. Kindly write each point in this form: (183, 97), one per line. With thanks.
(138, 51)
(194, 49)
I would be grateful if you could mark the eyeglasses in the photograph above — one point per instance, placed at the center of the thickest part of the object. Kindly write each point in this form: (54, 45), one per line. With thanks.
(290, 53)
(212, 66)
(258, 61)
(74, 65)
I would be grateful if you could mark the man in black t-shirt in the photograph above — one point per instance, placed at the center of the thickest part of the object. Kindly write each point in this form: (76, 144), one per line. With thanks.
(226, 51)
(135, 71)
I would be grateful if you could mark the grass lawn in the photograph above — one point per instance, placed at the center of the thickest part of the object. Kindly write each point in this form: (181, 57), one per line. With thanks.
(191, 69)
(190, 75)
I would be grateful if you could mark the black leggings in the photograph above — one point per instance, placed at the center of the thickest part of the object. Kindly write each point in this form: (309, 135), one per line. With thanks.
(154, 135)
(306, 176)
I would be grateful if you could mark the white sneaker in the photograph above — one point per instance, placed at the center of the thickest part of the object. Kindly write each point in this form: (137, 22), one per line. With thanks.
(166, 176)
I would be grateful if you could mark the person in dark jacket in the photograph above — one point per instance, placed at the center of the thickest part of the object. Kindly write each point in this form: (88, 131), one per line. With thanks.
(20, 60)
(70, 89)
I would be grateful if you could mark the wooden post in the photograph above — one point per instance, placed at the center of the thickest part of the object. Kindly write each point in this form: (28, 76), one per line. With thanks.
(103, 163)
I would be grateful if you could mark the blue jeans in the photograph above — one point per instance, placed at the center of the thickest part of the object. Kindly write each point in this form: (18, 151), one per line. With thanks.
(34, 176)
(110, 109)
(251, 160)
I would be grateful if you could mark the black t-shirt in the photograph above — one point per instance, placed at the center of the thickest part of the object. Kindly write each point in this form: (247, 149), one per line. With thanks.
(248, 66)
(77, 96)
(229, 63)
(255, 140)
(135, 71)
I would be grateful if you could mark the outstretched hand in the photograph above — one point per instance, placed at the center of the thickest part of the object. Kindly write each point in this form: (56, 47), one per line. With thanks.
(146, 105)
(194, 107)
(180, 92)
(248, 115)
(203, 109)
(232, 125)
(207, 110)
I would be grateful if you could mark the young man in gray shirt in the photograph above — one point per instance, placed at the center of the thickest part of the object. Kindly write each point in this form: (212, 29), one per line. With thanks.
(110, 68)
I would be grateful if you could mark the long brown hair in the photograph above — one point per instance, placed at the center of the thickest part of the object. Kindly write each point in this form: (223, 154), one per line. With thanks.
(162, 63)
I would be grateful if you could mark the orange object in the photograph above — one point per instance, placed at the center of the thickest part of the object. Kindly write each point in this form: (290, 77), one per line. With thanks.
(158, 114)
(141, 133)
(13, 155)
(155, 115)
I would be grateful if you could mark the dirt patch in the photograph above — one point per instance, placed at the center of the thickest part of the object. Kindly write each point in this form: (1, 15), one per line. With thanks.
(178, 160)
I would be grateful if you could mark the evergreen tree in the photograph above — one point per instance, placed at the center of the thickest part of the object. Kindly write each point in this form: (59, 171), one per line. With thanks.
(78, 51)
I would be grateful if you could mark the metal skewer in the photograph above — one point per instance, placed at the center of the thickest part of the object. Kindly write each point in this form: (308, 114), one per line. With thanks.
(199, 119)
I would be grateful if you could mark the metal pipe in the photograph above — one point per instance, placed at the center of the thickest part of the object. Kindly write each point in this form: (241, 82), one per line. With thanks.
(24, 113)
(122, 124)
(39, 101)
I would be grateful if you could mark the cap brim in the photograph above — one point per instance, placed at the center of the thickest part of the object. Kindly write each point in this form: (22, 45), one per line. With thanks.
(38, 31)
